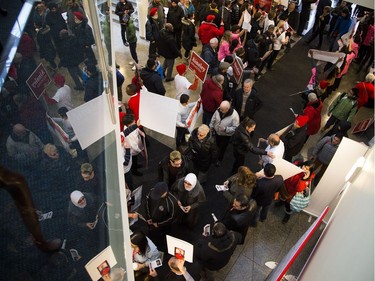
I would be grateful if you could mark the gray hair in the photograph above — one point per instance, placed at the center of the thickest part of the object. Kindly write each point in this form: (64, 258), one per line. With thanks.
(214, 41)
(248, 81)
(312, 97)
(370, 77)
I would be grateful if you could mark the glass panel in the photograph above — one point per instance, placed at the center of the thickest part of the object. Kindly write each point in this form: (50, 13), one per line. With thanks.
(62, 205)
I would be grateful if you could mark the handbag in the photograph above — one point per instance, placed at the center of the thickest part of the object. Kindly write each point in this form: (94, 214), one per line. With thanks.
(300, 200)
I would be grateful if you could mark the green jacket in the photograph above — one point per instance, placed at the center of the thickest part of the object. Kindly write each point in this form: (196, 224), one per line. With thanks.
(343, 108)
(131, 33)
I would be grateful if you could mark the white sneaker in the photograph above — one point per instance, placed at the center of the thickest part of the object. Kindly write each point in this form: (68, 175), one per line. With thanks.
(131, 63)
(134, 68)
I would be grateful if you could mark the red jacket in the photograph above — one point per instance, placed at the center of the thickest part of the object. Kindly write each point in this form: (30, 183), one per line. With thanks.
(209, 30)
(366, 91)
(313, 111)
(133, 104)
(211, 95)
(297, 184)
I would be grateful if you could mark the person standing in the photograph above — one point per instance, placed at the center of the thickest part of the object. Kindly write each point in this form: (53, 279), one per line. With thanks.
(183, 86)
(124, 9)
(212, 96)
(264, 192)
(94, 84)
(343, 107)
(151, 79)
(168, 49)
(153, 28)
(183, 112)
(209, 30)
(246, 101)
(131, 35)
(304, 15)
(242, 143)
(190, 196)
(203, 151)
(63, 96)
(172, 168)
(188, 35)
(323, 153)
(294, 137)
(313, 111)
(174, 17)
(275, 145)
(210, 55)
(224, 122)
(321, 23)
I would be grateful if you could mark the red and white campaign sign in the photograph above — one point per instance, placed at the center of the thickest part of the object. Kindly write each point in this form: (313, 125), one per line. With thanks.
(38, 81)
(363, 125)
(198, 65)
(237, 66)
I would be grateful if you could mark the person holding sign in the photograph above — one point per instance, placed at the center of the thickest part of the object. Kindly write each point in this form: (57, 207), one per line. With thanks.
(183, 86)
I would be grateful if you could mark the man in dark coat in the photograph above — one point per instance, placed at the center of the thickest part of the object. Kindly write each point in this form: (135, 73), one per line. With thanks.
(172, 168)
(238, 217)
(168, 49)
(294, 137)
(203, 151)
(246, 101)
(174, 17)
(83, 33)
(214, 251)
(94, 85)
(304, 16)
(124, 9)
(291, 15)
(209, 55)
(242, 143)
(161, 208)
(69, 58)
(151, 79)
(264, 192)
(153, 28)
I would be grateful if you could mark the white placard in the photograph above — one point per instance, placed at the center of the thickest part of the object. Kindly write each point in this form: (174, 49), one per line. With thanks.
(334, 177)
(326, 56)
(91, 121)
(284, 168)
(158, 113)
(180, 246)
(246, 21)
(101, 260)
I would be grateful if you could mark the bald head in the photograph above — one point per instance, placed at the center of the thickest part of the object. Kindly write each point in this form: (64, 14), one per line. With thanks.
(19, 130)
(273, 140)
(224, 106)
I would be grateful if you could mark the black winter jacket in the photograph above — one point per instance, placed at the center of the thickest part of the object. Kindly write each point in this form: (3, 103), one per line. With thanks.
(242, 142)
(152, 81)
(167, 45)
(253, 103)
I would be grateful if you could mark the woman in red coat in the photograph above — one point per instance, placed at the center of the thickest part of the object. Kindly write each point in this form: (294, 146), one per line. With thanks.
(294, 184)
(313, 111)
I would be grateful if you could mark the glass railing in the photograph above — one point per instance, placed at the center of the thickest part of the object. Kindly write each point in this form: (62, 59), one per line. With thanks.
(63, 209)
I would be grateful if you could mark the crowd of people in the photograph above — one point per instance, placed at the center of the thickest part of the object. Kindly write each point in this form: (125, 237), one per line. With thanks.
(255, 33)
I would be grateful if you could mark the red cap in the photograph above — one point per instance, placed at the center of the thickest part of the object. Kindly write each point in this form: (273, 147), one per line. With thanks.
(153, 11)
(181, 68)
(78, 15)
(302, 120)
(210, 18)
(323, 84)
(59, 80)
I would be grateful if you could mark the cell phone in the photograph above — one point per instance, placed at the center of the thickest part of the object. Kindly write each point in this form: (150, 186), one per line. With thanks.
(206, 230)
(156, 263)
(221, 187)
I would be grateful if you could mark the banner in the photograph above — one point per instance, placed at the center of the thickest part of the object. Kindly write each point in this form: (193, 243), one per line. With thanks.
(38, 81)
(237, 66)
(194, 115)
(326, 56)
(58, 132)
(198, 65)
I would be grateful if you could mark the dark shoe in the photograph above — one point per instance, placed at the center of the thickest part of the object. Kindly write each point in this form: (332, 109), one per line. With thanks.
(79, 88)
(254, 224)
(218, 164)
(169, 79)
(137, 173)
(286, 218)
(262, 220)
(126, 44)
(279, 203)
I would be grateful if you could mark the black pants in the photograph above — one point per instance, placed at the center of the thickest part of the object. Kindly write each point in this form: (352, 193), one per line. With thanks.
(272, 58)
(123, 31)
(75, 72)
(239, 160)
(180, 136)
(320, 32)
(222, 144)
(152, 49)
(133, 51)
